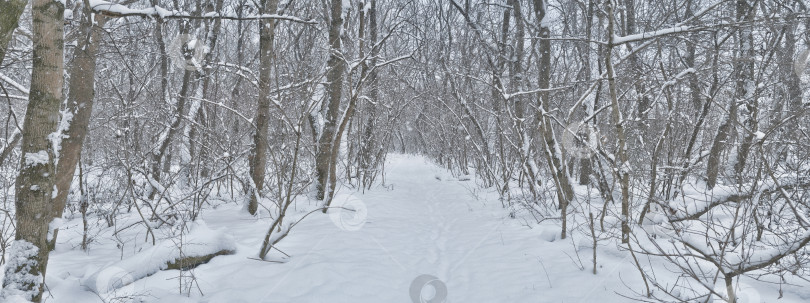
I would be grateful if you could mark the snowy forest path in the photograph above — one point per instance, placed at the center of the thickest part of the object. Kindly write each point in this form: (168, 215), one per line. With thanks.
(424, 222)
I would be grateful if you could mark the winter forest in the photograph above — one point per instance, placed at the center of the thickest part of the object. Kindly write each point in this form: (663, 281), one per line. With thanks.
(405, 151)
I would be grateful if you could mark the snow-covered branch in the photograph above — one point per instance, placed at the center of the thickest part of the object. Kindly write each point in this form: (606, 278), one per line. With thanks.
(616, 40)
(117, 10)
(13, 83)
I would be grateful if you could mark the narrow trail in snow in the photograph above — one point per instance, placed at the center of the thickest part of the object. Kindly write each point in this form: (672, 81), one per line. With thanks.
(426, 222)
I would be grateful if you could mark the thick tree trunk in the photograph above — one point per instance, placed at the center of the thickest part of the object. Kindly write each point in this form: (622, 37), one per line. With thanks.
(352, 106)
(334, 77)
(79, 106)
(258, 157)
(35, 182)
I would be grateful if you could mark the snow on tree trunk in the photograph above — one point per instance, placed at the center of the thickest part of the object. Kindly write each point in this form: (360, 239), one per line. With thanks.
(36, 179)
(334, 77)
(258, 157)
(76, 120)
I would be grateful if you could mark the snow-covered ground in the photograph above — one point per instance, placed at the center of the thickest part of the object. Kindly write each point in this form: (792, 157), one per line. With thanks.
(425, 234)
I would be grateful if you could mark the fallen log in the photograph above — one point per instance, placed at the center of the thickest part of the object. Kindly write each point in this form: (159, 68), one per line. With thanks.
(196, 248)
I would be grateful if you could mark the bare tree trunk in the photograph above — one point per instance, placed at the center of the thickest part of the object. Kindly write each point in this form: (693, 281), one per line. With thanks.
(204, 117)
(741, 74)
(166, 138)
(622, 166)
(170, 132)
(164, 58)
(164, 95)
(189, 84)
(694, 88)
(644, 101)
(729, 279)
(585, 165)
(656, 154)
(746, 87)
(10, 12)
(713, 163)
(79, 106)
(368, 145)
(334, 77)
(258, 158)
(37, 176)
(792, 90)
(553, 151)
(689, 60)
(517, 81)
(354, 91)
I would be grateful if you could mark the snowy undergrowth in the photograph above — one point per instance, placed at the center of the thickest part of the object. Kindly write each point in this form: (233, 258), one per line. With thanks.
(424, 222)
(713, 239)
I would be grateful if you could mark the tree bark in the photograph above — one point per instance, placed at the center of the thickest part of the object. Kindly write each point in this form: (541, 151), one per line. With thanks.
(516, 83)
(258, 157)
(553, 151)
(369, 144)
(170, 132)
(36, 179)
(746, 87)
(792, 90)
(585, 165)
(79, 105)
(742, 74)
(204, 117)
(622, 166)
(334, 77)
